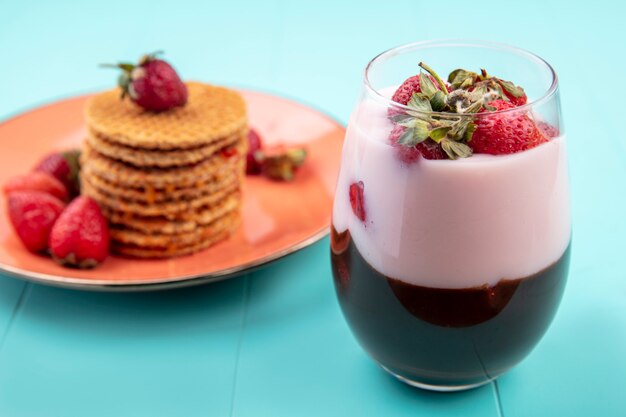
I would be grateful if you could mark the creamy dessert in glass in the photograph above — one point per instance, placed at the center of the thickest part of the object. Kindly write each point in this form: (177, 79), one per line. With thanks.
(451, 225)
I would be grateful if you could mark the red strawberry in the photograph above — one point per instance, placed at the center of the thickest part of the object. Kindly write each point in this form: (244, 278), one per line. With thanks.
(80, 237)
(409, 86)
(37, 181)
(152, 84)
(254, 144)
(33, 214)
(428, 149)
(505, 133)
(548, 130)
(229, 152)
(516, 101)
(64, 166)
(356, 200)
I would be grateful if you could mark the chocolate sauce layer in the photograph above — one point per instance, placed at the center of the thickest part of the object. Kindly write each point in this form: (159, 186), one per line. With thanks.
(444, 336)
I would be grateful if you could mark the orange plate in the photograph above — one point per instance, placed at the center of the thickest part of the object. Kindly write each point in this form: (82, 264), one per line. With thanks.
(278, 218)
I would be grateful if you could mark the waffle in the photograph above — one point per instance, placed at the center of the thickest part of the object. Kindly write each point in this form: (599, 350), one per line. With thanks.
(164, 240)
(129, 176)
(211, 113)
(150, 195)
(166, 208)
(158, 158)
(170, 251)
(181, 224)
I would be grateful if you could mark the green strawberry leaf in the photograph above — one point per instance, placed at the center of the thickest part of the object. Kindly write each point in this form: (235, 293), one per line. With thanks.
(420, 103)
(400, 118)
(438, 133)
(455, 150)
(414, 135)
(410, 123)
(427, 86)
(469, 132)
(460, 78)
(511, 88)
(406, 138)
(422, 131)
(438, 101)
(474, 107)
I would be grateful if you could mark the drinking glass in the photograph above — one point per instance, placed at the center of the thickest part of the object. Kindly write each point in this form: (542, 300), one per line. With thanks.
(450, 271)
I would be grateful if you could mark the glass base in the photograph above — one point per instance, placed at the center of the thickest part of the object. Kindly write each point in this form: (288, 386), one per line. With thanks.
(440, 388)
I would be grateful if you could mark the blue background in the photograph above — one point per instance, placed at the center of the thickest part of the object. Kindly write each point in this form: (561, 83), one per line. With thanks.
(274, 342)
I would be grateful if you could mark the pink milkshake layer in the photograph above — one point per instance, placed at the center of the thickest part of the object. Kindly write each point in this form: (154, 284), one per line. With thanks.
(452, 224)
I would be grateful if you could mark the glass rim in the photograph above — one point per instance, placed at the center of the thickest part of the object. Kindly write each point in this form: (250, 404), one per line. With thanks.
(390, 53)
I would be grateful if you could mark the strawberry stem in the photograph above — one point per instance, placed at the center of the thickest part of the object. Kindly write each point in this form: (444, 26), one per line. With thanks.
(436, 77)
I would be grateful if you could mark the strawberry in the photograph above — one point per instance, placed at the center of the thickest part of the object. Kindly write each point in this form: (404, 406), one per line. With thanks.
(504, 133)
(548, 130)
(428, 149)
(516, 101)
(254, 145)
(228, 152)
(410, 86)
(357, 201)
(80, 237)
(64, 166)
(152, 84)
(37, 181)
(485, 84)
(280, 162)
(32, 214)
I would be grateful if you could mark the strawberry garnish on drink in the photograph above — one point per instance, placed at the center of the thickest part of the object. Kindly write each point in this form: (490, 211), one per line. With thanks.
(505, 133)
(470, 113)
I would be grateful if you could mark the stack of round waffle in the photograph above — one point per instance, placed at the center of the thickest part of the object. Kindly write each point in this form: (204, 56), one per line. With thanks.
(170, 182)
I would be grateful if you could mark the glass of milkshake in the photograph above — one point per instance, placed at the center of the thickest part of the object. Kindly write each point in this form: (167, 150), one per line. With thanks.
(451, 225)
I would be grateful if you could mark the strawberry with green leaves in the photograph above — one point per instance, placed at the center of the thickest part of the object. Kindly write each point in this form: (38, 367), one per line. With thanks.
(428, 130)
(152, 83)
(452, 120)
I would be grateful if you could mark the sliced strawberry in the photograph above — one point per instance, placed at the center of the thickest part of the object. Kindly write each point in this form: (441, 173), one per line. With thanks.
(32, 214)
(37, 181)
(80, 237)
(357, 201)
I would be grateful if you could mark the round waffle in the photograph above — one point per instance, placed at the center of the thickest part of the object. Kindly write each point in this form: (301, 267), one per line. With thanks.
(211, 113)
(226, 228)
(199, 234)
(124, 175)
(170, 209)
(150, 195)
(184, 224)
(159, 158)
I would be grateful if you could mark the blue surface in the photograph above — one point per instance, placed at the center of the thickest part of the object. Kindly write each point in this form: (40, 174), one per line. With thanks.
(274, 342)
